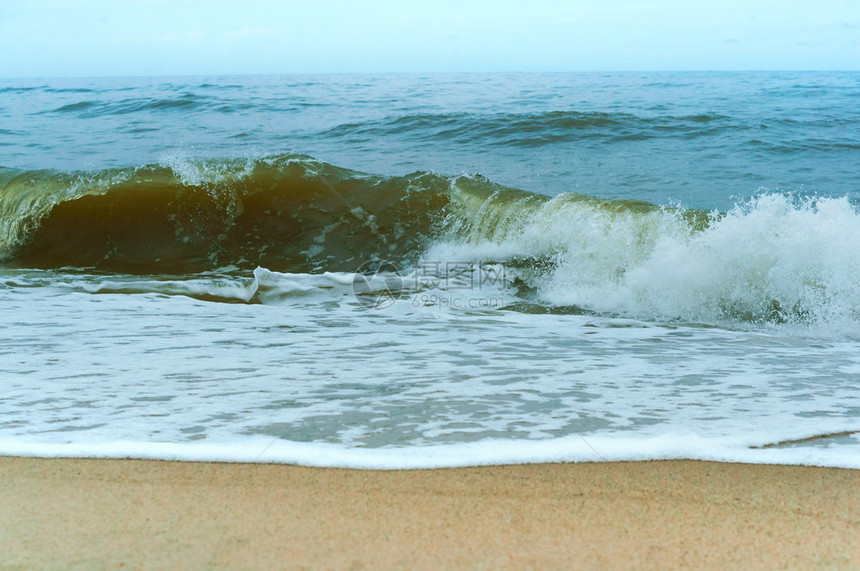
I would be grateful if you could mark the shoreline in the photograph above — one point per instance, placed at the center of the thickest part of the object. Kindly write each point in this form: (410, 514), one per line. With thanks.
(145, 513)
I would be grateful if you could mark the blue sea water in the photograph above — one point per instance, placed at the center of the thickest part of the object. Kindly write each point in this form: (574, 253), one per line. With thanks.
(578, 267)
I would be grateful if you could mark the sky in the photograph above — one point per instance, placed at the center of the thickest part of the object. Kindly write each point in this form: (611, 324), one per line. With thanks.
(90, 38)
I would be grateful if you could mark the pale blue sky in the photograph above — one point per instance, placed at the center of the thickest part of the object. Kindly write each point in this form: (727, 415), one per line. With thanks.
(58, 38)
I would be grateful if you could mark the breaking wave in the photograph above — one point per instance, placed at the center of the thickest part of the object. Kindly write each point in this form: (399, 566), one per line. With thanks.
(287, 212)
(776, 258)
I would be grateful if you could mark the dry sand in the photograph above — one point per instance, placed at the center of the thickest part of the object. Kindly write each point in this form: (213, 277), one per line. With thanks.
(145, 514)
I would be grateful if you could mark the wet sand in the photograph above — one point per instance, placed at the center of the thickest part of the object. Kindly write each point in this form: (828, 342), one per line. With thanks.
(144, 514)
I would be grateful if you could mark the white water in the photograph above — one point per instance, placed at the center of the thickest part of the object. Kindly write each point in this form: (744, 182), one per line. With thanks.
(312, 377)
(773, 259)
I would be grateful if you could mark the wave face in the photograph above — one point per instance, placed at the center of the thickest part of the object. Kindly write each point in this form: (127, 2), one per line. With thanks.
(776, 258)
(286, 212)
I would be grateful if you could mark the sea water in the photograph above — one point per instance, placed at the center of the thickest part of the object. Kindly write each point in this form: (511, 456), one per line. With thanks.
(403, 271)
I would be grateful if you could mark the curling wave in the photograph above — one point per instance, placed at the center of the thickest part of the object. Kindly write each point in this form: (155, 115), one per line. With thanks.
(287, 212)
(776, 258)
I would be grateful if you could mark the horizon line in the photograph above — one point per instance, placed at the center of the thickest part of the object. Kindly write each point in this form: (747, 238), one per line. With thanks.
(476, 72)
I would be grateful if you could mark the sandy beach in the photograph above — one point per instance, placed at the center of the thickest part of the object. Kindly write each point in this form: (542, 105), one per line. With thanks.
(145, 514)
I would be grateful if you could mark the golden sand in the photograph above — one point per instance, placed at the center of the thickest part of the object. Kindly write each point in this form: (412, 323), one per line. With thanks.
(144, 514)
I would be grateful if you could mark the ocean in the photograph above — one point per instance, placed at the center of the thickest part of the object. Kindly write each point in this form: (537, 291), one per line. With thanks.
(414, 271)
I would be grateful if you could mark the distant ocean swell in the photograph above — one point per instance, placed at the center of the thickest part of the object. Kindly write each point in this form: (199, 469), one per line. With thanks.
(553, 127)
(535, 129)
(510, 129)
(773, 259)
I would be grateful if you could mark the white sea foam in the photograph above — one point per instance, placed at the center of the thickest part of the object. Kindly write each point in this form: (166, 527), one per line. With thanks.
(317, 378)
(482, 453)
(774, 259)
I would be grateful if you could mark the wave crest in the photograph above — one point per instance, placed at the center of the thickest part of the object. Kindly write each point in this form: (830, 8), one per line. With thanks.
(776, 258)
